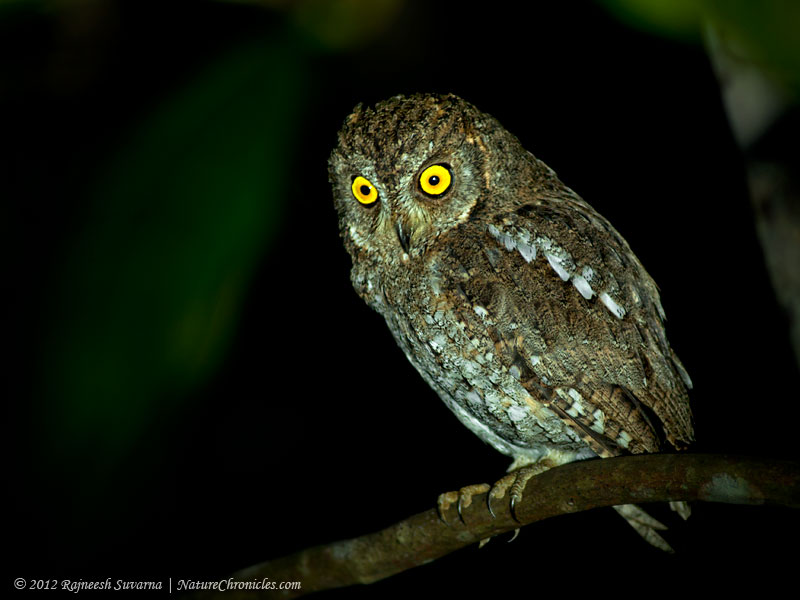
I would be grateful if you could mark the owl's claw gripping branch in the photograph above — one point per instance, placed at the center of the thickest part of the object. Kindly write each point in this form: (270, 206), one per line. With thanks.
(462, 499)
(513, 507)
(443, 504)
(521, 478)
(499, 490)
(489, 505)
(514, 483)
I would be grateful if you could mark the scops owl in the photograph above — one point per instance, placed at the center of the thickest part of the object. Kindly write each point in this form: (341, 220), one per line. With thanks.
(519, 304)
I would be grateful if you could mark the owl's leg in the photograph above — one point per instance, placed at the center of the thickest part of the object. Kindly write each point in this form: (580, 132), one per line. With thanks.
(462, 499)
(514, 483)
(520, 472)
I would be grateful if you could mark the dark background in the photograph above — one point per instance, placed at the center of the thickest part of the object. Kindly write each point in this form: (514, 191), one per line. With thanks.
(194, 385)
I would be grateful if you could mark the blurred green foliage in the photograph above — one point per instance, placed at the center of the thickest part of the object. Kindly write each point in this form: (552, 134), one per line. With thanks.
(766, 30)
(173, 221)
(336, 24)
(675, 18)
(342, 24)
(150, 291)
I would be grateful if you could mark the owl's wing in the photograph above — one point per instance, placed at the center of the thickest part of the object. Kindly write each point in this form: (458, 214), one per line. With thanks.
(578, 317)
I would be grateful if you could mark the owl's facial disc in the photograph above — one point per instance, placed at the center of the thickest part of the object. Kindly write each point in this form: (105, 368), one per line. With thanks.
(407, 209)
(406, 172)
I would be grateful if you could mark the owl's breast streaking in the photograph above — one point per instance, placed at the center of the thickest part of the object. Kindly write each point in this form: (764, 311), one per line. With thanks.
(452, 342)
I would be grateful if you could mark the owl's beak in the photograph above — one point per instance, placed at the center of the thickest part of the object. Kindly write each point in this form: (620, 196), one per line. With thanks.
(403, 235)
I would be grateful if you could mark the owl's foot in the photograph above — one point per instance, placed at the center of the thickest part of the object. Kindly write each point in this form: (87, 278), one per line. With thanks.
(462, 499)
(645, 525)
(513, 483)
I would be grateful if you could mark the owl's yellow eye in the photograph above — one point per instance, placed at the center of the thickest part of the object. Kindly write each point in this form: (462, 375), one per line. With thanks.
(435, 180)
(364, 191)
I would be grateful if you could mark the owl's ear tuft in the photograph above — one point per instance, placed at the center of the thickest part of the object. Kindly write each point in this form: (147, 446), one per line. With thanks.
(355, 116)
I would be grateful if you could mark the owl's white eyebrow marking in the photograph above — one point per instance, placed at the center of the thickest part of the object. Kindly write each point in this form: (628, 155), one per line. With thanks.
(615, 308)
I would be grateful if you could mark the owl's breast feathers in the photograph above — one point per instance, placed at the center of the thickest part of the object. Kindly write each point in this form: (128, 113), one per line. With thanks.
(574, 317)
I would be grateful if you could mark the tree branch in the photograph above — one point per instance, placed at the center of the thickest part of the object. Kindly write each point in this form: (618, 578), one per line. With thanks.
(571, 488)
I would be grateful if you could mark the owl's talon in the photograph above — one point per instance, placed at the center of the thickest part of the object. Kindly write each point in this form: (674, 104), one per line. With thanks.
(513, 506)
(443, 503)
(462, 499)
(499, 490)
(458, 509)
(513, 537)
(521, 477)
(489, 505)
(514, 483)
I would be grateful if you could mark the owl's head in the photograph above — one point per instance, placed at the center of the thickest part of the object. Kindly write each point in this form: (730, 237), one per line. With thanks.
(409, 170)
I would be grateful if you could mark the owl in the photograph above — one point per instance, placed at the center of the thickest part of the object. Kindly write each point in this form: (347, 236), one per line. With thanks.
(517, 302)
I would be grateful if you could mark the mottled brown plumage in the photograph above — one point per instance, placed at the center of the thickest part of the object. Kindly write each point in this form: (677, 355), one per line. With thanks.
(517, 302)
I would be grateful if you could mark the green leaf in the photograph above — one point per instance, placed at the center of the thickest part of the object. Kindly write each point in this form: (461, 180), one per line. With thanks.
(151, 289)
